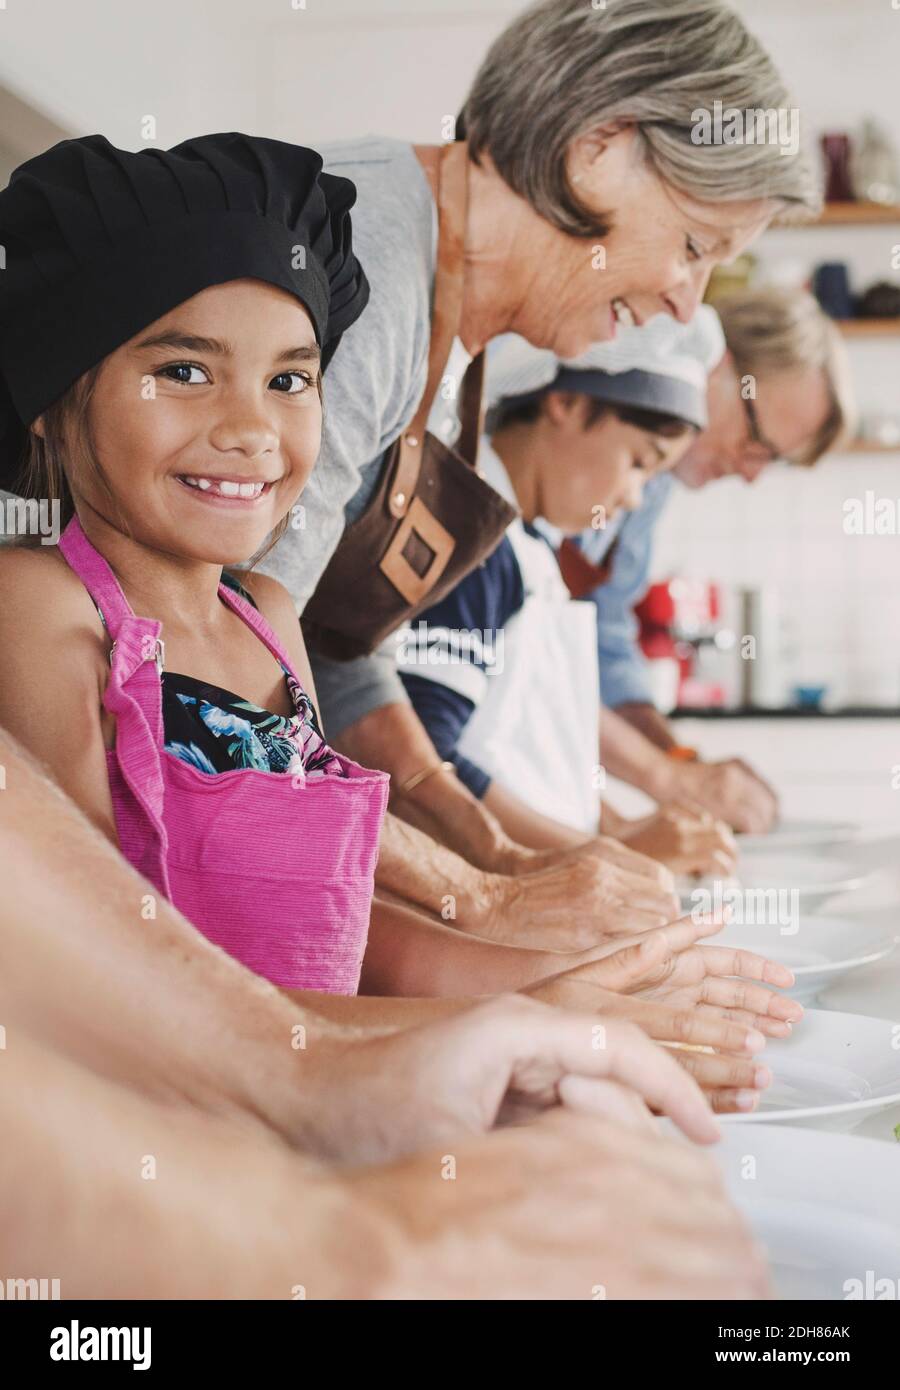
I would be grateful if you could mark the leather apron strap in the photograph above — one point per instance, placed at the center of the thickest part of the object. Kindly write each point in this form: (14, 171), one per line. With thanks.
(447, 171)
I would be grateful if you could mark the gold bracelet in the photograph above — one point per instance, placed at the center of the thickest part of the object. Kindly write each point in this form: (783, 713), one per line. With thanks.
(419, 777)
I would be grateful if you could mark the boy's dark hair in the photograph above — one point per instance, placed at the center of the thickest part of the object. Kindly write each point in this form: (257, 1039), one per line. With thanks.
(526, 410)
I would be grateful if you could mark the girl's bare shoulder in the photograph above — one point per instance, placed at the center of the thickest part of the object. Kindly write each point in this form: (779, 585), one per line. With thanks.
(42, 599)
(30, 574)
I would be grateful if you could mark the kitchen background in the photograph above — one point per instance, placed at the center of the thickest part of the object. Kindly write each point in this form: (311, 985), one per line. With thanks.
(828, 603)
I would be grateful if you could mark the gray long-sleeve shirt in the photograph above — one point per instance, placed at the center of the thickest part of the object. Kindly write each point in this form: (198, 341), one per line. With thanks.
(372, 389)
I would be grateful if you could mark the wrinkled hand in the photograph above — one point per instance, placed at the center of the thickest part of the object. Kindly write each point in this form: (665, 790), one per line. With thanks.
(567, 1207)
(497, 1063)
(580, 901)
(686, 840)
(732, 791)
(632, 860)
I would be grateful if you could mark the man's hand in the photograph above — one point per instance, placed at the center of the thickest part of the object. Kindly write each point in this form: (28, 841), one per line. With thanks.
(732, 791)
(687, 840)
(567, 1207)
(497, 1063)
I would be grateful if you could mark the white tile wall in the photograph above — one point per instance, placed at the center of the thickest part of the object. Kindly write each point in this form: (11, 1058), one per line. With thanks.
(839, 595)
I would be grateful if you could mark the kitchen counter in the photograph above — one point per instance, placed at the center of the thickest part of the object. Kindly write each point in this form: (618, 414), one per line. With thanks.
(790, 712)
(839, 767)
(824, 766)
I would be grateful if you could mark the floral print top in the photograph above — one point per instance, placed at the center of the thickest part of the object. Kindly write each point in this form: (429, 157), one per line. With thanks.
(216, 731)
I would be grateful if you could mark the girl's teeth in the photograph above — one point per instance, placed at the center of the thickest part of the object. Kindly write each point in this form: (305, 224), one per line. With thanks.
(226, 488)
(623, 314)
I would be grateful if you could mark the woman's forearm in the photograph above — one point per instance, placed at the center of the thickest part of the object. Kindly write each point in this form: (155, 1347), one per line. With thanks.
(410, 955)
(394, 738)
(376, 1015)
(415, 868)
(529, 827)
(628, 754)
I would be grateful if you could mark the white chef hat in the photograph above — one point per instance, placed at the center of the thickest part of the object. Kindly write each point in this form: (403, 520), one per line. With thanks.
(662, 366)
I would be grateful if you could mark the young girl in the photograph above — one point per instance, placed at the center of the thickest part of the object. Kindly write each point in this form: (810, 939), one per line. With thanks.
(166, 320)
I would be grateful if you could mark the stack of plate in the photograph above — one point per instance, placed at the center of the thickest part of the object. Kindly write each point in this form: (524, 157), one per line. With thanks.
(825, 1205)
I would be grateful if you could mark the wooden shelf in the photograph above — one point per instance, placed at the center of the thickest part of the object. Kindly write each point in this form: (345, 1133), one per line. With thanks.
(858, 215)
(869, 328)
(863, 446)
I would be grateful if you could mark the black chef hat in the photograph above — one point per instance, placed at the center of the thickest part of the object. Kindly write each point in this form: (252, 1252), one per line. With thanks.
(100, 242)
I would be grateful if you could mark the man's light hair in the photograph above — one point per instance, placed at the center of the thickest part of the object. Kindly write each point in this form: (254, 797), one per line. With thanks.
(565, 67)
(775, 330)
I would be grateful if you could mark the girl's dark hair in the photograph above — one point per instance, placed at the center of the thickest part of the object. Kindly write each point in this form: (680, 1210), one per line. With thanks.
(66, 436)
(526, 410)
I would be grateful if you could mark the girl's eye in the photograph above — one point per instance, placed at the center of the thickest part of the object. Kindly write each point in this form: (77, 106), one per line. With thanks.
(291, 383)
(184, 373)
(695, 252)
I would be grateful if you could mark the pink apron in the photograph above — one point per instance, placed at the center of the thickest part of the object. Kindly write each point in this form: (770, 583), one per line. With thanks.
(277, 870)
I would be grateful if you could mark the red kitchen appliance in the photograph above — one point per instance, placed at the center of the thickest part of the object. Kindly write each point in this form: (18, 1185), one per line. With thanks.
(681, 623)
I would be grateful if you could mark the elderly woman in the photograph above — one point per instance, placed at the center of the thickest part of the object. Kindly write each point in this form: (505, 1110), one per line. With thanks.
(582, 197)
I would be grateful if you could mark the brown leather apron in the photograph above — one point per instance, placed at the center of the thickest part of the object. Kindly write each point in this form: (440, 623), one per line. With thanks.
(432, 518)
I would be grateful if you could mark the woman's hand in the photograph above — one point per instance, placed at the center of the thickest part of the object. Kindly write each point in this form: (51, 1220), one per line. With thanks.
(729, 1076)
(694, 1001)
(580, 902)
(668, 966)
(687, 841)
(730, 981)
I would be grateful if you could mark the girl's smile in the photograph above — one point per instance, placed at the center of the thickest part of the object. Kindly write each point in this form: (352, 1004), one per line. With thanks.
(225, 491)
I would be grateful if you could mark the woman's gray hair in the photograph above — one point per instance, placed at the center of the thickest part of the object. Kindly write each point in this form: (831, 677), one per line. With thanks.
(565, 67)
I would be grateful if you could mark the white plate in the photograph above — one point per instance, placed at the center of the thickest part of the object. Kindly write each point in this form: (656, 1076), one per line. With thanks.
(815, 879)
(789, 881)
(834, 1071)
(800, 834)
(872, 990)
(821, 951)
(825, 1206)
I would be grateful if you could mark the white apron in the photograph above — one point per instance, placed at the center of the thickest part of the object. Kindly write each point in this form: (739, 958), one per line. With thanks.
(537, 729)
